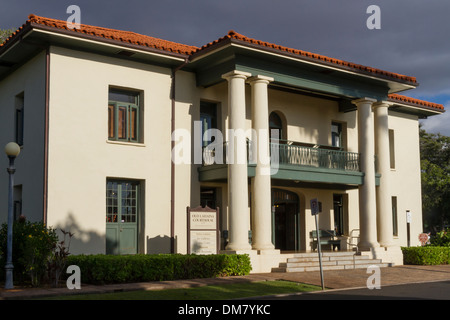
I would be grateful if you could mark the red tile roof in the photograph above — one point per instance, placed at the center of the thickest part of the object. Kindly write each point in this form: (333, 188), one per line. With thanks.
(412, 101)
(147, 41)
(317, 57)
(119, 35)
(169, 46)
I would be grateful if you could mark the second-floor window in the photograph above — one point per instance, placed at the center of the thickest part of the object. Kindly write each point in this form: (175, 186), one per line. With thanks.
(124, 116)
(208, 117)
(19, 119)
(336, 134)
(392, 148)
(275, 123)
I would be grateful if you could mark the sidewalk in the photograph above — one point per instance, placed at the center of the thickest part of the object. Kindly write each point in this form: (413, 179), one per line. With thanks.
(339, 279)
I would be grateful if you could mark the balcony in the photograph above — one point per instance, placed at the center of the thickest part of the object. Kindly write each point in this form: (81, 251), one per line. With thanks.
(297, 164)
(326, 157)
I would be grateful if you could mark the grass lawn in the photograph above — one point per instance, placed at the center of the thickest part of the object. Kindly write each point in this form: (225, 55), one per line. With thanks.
(222, 292)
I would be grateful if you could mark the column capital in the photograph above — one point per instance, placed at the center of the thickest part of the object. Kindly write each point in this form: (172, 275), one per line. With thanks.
(386, 104)
(364, 100)
(236, 74)
(260, 79)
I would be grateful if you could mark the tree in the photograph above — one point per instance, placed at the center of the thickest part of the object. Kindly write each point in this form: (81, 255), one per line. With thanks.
(435, 168)
(5, 33)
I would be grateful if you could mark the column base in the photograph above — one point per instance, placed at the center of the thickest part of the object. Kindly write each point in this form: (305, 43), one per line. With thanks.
(367, 246)
(263, 247)
(392, 254)
(386, 244)
(268, 251)
(238, 247)
(262, 261)
(243, 251)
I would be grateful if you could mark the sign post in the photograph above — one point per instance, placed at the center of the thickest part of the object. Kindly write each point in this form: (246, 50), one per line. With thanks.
(315, 209)
(203, 230)
(408, 227)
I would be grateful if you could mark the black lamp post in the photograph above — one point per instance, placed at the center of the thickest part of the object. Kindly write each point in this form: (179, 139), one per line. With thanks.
(12, 150)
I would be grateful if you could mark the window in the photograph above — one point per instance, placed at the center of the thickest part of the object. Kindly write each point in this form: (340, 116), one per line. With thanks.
(208, 117)
(208, 197)
(18, 125)
(17, 198)
(340, 213)
(394, 216)
(338, 138)
(124, 116)
(121, 201)
(392, 148)
(336, 134)
(275, 123)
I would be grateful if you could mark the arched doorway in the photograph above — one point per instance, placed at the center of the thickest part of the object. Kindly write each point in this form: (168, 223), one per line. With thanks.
(285, 220)
(275, 123)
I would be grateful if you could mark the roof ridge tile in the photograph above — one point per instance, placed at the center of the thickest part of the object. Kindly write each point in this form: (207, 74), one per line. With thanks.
(402, 98)
(120, 35)
(235, 35)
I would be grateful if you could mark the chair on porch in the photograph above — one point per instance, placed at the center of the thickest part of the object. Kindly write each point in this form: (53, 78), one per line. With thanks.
(327, 237)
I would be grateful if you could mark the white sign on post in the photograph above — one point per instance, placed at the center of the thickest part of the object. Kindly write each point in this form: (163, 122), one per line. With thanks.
(408, 216)
(203, 230)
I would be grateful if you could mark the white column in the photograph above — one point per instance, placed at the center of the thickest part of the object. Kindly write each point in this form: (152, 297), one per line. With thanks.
(384, 197)
(239, 220)
(367, 195)
(261, 186)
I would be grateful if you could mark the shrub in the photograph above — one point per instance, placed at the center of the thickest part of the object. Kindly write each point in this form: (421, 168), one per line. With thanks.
(103, 269)
(442, 239)
(428, 255)
(58, 259)
(33, 244)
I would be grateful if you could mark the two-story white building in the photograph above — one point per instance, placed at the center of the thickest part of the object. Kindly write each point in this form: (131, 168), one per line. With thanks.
(104, 116)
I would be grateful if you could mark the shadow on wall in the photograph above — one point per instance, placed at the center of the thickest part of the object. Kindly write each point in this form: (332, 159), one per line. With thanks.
(91, 242)
(160, 244)
(83, 241)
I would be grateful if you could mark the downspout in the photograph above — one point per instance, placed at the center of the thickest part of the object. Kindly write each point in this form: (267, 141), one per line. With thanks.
(46, 126)
(172, 165)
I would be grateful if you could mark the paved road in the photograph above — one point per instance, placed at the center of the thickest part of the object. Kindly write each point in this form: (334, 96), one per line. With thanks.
(439, 290)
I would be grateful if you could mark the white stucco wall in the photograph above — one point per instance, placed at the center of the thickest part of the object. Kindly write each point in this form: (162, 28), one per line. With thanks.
(405, 178)
(81, 158)
(28, 79)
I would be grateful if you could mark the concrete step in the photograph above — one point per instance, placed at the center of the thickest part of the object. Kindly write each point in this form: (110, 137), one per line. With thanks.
(292, 264)
(324, 254)
(303, 262)
(328, 258)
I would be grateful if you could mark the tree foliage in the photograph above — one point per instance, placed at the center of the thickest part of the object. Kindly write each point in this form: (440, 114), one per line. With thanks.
(435, 166)
(5, 33)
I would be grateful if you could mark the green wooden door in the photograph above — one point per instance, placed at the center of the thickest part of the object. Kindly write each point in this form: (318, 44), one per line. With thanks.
(122, 211)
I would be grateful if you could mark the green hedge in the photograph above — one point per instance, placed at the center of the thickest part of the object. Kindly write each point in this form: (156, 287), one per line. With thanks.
(428, 255)
(107, 269)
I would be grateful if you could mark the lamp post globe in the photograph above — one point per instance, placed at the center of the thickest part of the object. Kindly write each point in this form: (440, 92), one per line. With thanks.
(12, 150)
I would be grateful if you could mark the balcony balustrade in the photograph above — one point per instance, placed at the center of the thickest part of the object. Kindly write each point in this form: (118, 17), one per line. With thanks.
(295, 154)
